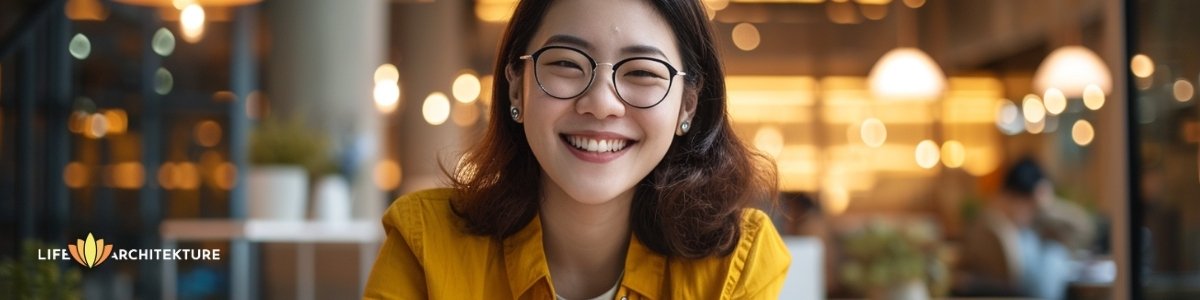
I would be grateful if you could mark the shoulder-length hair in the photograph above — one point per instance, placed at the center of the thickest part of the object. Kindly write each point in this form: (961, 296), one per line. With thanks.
(690, 205)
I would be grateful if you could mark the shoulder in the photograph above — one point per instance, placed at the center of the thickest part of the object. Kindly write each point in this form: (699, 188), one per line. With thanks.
(755, 268)
(761, 257)
(759, 241)
(424, 219)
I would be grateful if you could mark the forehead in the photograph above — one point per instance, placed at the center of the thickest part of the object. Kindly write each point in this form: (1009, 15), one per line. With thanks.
(607, 27)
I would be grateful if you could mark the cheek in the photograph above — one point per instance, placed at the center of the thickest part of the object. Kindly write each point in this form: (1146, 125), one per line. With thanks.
(660, 125)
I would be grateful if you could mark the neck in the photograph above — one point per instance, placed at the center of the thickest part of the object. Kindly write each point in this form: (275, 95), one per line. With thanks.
(585, 244)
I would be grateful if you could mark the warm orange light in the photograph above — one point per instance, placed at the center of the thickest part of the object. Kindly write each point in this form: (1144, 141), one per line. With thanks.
(191, 23)
(1055, 102)
(387, 72)
(495, 11)
(927, 154)
(86, 10)
(387, 174)
(75, 175)
(118, 122)
(1183, 90)
(225, 176)
(166, 176)
(907, 74)
(126, 175)
(1083, 133)
(1033, 108)
(746, 36)
(1141, 66)
(953, 154)
(1093, 97)
(187, 177)
(436, 108)
(769, 139)
(466, 87)
(1070, 69)
(873, 132)
(224, 96)
(208, 133)
(96, 126)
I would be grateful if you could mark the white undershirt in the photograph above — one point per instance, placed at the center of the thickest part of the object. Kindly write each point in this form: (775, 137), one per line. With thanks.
(610, 294)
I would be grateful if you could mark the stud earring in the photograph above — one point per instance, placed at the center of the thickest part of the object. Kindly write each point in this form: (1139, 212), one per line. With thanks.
(515, 113)
(685, 126)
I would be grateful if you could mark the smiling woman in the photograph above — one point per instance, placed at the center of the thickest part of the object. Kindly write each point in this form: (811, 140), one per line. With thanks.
(609, 170)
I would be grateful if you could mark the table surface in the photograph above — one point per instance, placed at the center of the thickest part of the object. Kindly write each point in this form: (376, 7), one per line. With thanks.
(356, 231)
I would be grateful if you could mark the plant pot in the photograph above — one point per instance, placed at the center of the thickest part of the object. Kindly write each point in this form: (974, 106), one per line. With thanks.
(909, 290)
(331, 199)
(277, 192)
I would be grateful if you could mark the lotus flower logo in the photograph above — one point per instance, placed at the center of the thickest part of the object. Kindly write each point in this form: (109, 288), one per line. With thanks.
(90, 252)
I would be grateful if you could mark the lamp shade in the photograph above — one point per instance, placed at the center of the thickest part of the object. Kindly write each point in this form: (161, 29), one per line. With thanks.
(1071, 69)
(906, 74)
(180, 3)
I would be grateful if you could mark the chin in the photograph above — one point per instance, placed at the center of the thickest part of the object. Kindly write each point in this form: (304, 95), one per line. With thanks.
(594, 194)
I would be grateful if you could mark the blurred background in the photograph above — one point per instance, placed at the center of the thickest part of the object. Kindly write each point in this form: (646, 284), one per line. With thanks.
(278, 131)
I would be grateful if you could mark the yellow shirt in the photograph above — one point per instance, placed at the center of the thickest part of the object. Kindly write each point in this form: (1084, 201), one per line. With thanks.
(428, 256)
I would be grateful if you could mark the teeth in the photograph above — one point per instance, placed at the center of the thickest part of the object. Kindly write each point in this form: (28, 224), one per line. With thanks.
(591, 145)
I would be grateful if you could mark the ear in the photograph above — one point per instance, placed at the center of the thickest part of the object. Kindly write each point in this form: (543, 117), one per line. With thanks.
(515, 88)
(688, 108)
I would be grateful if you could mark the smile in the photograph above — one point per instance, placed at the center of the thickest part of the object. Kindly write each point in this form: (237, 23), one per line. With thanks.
(596, 145)
(597, 148)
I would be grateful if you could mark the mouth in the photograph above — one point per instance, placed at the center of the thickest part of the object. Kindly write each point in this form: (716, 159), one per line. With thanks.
(597, 147)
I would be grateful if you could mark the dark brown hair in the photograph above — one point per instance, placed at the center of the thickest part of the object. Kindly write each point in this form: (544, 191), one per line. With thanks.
(690, 205)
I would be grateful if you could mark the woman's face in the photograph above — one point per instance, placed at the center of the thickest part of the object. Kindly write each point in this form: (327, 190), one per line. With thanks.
(628, 141)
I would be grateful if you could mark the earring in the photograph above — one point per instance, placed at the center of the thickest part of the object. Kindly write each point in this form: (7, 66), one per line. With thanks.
(515, 113)
(684, 127)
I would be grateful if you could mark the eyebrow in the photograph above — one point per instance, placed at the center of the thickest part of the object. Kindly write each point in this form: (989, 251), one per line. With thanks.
(580, 42)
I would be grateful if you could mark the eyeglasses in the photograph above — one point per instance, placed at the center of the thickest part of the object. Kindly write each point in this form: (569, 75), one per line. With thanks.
(566, 73)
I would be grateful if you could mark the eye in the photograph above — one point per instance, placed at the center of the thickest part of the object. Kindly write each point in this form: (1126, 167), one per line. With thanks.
(563, 64)
(645, 74)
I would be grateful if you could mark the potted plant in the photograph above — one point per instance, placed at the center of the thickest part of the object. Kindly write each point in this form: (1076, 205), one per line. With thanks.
(884, 262)
(283, 153)
(29, 278)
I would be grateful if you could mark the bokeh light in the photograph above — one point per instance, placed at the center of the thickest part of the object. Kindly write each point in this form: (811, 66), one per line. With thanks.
(80, 47)
(191, 23)
(927, 154)
(1093, 97)
(769, 140)
(436, 108)
(745, 36)
(163, 42)
(873, 132)
(1083, 133)
(466, 88)
(1055, 101)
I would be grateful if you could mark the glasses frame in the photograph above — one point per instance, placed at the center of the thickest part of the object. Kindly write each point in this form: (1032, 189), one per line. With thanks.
(671, 71)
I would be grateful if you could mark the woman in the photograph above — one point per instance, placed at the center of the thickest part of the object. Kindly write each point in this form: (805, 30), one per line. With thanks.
(609, 170)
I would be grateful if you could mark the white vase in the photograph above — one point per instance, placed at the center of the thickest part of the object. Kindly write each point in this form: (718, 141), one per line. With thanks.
(331, 199)
(277, 192)
(909, 290)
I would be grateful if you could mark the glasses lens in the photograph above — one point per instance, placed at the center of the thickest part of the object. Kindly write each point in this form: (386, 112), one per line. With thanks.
(642, 82)
(563, 73)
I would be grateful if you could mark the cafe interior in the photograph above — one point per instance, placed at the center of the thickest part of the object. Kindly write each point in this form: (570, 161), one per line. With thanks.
(279, 131)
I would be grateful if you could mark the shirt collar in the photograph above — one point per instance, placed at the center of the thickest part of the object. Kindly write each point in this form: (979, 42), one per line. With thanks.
(524, 258)
(525, 263)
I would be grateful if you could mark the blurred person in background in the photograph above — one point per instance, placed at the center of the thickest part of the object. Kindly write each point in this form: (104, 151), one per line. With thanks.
(1023, 242)
(609, 170)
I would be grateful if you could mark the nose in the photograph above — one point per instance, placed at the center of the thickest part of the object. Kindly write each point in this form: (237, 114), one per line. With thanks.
(601, 99)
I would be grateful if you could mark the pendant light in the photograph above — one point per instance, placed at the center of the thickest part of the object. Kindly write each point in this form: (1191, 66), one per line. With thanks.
(906, 73)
